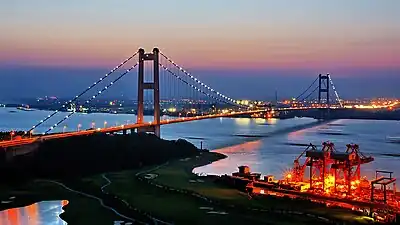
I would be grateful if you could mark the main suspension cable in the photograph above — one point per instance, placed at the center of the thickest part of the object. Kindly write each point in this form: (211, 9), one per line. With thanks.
(92, 98)
(82, 93)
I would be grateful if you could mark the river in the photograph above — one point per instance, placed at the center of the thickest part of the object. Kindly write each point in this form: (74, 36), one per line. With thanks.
(41, 213)
(275, 154)
(267, 146)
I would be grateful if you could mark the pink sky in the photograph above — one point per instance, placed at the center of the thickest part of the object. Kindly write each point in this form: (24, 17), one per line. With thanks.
(281, 37)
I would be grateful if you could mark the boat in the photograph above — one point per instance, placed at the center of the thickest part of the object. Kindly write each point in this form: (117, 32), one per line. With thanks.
(24, 108)
(393, 139)
(330, 131)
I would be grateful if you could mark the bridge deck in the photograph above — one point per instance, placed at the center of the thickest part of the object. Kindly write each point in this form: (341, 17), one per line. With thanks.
(25, 141)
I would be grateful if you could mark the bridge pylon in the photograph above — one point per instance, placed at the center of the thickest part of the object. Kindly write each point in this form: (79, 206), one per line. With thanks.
(154, 85)
(323, 91)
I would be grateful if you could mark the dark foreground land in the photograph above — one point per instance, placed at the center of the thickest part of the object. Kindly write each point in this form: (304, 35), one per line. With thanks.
(143, 178)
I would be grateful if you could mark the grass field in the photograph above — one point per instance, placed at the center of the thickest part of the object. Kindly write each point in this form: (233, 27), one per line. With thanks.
(184, 209)
(181, 208)
(178, 174)
(178, 206)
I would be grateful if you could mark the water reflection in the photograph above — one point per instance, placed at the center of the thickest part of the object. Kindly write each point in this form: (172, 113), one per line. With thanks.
(260, 120)
(299, 134)
(241, 148)
(243, 121)
(245, 153)
(275, 154)
(40, 213)
(272, 121)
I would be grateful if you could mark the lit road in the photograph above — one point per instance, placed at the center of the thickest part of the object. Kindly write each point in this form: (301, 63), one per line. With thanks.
(25, 141)
(31, 140)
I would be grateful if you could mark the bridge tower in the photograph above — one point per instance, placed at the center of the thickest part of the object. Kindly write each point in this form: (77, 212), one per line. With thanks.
(323, 91)
(154, 85)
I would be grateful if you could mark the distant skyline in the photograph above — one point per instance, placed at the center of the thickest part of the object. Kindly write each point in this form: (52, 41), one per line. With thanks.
(255, 41)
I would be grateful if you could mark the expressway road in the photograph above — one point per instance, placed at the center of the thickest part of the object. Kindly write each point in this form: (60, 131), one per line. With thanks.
(25, 141)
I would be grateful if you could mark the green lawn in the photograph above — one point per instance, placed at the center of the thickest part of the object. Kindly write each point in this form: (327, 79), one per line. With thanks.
(183, 209)
(178, 174)
(167, 205)
(164, 204)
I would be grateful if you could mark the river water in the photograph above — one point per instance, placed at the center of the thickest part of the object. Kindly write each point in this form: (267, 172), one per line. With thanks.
(267, 146)
(40, 213)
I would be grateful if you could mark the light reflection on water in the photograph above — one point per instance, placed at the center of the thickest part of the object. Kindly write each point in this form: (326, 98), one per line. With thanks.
(242, 154)
(41, 213)
(243, 121)
(275, 154)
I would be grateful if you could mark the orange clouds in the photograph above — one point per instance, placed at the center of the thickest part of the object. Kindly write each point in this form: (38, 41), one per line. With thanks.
(200, 46)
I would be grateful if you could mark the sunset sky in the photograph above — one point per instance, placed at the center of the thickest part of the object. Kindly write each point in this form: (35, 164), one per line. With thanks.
(349, 38)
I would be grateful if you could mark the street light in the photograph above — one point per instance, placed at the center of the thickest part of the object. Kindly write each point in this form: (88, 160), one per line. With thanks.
(93, 125)
(64, 128)
(30, 133)
(79, 127)
(12, 133)
(105, 124)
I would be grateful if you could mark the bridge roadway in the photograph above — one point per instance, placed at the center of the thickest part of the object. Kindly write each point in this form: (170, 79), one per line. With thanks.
(25, 141)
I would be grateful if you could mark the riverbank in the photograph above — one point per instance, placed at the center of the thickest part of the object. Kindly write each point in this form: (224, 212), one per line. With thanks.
(169, 192)
(148, 189)
(57, 171)
(172, 193)
(79, 210)
(179, 175)
(87, 155)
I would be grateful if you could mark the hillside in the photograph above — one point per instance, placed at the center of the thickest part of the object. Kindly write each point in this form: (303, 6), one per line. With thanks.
(86, 155)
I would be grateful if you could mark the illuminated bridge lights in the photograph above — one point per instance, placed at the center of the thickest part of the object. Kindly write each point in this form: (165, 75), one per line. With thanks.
(191, 85)
(85, 91)
(197, 80)
(245, 105)
(93, 97)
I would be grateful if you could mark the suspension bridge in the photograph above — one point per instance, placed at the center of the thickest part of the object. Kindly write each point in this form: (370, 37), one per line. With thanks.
(155, 68)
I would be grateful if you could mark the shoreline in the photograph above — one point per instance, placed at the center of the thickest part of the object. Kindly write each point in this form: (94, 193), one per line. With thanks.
(225, 198)
(174, 174)
(30, 198)
(218, 156)
(27, 194)
(190, 192)
(150, 114)
(326, 217)
(21, 188)
(37, 191)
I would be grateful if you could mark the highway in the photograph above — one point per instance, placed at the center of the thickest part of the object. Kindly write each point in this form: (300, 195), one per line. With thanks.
(25, 141)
